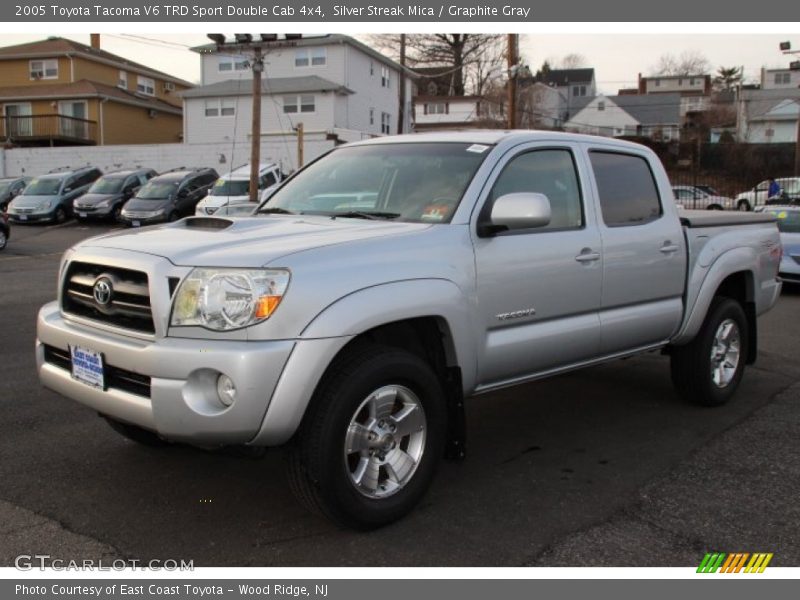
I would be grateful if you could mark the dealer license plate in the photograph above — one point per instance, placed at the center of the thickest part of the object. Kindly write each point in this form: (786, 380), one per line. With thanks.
(87, 366)
(82, 215)
(136, 223)
(23, 217)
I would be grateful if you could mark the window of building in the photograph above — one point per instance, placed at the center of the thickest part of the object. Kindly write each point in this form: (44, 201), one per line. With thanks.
(302, 103)
(550, 172)
(122, 80)
(220, 107)
(371, 68)
(782, 78)
(579, 90)
(231, 63)
(311, 57)
(436, 108)
(680, 82)
(145, 85)
(372, 116)
(692, 81)
(386, 123)
(44, 69)
(657, 83)
(385, 81)
(628, 192)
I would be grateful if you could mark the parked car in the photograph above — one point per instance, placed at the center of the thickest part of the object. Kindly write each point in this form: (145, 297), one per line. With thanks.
(354, 336)
(789, 194)
(168, 197)
(789, 225)
(234, 187)
(695, 197)
(758, 196)
(108, 194)
(10, 188)
(5, 230)
(50, 197)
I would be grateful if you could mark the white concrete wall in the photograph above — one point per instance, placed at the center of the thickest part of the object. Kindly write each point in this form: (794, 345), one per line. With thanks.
(161, 157)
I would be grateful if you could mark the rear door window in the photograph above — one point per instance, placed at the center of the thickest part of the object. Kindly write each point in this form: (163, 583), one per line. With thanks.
(627, 189)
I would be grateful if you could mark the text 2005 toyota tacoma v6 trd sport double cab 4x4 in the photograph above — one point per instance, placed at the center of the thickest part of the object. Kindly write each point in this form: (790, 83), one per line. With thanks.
(383, 283)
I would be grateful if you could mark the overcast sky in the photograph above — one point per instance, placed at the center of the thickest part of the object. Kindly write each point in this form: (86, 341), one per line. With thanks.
(616, 58)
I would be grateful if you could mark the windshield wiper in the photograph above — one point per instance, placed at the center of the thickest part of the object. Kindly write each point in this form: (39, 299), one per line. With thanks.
(372, 215)
(274, 210)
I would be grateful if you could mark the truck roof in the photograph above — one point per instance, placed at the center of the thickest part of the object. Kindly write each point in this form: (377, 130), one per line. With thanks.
(496, 136)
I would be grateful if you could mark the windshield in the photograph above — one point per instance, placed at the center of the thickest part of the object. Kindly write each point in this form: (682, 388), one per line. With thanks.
(228, 187)
(43, 187)
(155, 190)
(107, 185)
(788, 220)
(413, 182)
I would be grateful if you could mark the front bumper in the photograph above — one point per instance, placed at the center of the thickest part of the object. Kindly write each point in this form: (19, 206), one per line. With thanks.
(92, 212)
(35, 217)
(181, 402)
(142, 221)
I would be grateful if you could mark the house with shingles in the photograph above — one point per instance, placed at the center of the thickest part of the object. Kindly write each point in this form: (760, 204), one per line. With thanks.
(654, 116)
(57, 92)
(768, 116)
(338, 87)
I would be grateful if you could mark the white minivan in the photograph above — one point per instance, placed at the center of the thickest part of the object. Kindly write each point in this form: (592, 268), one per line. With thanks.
(234, 188)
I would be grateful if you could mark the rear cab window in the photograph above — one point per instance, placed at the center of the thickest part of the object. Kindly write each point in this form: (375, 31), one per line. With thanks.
(626, 187)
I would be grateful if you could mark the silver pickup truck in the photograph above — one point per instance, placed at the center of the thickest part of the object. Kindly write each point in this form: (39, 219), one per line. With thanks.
(384, 283)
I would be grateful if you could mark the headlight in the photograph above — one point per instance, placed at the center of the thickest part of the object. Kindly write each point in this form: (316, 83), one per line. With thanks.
(103, 204)
(223, 299)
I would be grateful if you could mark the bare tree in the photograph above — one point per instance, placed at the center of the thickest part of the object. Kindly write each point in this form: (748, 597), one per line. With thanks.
(573, 61)
(689, 62)
(475, 59)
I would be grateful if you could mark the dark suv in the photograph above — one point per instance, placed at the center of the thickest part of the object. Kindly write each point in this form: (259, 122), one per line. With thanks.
(109, 193)
(168, 197)
(49, 197)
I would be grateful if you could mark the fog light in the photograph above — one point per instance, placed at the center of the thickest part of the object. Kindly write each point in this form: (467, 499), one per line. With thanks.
(226, 390)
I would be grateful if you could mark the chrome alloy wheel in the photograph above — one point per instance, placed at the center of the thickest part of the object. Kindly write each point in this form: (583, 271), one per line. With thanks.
(385, 441)
(725, 353)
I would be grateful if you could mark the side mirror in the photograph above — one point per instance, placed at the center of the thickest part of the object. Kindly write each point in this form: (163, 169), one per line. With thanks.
(523, 210)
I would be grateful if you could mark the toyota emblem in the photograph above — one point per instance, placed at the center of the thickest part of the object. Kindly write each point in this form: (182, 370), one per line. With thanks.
(102, 291)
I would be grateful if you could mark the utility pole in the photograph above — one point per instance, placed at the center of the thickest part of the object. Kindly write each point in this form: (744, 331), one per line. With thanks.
(512, 55)
(299, 129)
(244, 43)
(255, 147)
(401, 115)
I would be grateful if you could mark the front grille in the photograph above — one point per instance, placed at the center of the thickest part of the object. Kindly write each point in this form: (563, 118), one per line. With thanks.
(116, 378)
(129, 305)
(24, 211)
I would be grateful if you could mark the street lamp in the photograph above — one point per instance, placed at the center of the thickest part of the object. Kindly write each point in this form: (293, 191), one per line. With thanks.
(784, 46)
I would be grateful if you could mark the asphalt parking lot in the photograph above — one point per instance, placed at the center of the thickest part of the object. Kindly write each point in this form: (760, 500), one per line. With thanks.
(601, 467)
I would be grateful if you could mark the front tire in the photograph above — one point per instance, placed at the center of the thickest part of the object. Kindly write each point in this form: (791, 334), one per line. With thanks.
(743, 205)
(371, 439)
(708, 370)
(60, 216)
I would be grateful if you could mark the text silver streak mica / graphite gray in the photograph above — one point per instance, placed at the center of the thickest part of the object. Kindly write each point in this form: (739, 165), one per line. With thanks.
(387, 281)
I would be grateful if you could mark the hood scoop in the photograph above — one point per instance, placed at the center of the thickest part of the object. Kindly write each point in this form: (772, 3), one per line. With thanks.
(206, 223)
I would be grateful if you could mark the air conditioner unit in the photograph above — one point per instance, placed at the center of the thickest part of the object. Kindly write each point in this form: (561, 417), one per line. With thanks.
(169, 86)
(151, 113)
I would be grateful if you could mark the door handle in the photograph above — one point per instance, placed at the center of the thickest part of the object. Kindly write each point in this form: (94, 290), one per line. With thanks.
(669, 248)
(587, 255)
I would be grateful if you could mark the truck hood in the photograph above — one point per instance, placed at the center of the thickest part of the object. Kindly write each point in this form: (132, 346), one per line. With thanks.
(247, 241)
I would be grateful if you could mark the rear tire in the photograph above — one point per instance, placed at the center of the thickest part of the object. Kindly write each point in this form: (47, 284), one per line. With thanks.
(60, 216)
(743, 205)
(708, 370)
(137, 434)
(371, 439)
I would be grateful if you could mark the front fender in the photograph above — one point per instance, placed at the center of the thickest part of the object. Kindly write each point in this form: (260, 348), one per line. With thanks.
(325, 336)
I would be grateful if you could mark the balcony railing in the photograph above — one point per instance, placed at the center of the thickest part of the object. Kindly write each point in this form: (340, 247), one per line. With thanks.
(52, 129)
